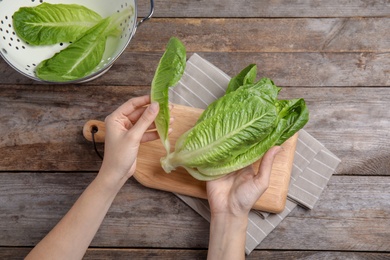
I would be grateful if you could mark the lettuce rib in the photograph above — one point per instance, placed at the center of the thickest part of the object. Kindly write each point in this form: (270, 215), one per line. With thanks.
(169, 71)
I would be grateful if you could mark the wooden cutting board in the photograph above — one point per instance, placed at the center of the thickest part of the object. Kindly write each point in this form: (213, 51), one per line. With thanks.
(150, 174)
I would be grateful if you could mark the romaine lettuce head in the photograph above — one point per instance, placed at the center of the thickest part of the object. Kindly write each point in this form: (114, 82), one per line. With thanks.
(236, 130)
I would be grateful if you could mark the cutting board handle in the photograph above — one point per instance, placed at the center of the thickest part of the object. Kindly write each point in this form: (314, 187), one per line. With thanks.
(98, 128)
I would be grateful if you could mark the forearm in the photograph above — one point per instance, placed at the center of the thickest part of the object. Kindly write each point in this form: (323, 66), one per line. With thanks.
(227, 237)
(71, 237)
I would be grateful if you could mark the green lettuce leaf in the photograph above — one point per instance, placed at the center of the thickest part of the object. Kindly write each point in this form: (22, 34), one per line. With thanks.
(246, 76)
(264, 88)
(248, 157)
(169, 71)
(296, 115)
(221, 138)
(47, 24)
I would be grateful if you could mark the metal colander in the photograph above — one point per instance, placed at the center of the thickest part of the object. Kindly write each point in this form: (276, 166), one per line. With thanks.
(24, 57)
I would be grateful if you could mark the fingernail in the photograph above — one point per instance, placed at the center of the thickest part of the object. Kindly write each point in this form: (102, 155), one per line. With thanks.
(154, 107)
(279, 149)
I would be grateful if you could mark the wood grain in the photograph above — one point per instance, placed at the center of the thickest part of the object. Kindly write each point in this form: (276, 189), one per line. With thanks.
(267, 8)
(350, 210)
(346, 218)
(267, 35)
(32, 203)
(13, 253)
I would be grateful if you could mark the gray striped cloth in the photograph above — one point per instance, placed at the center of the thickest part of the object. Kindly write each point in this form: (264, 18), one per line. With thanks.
(313, 165)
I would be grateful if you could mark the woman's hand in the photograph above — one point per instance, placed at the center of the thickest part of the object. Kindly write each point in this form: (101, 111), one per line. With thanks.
(231, 198)
(236, 193)
(126, 129)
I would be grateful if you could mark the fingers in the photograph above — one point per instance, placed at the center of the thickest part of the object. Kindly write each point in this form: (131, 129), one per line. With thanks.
(137, 115)
(131, 105)
(264, 173)
(145, 120)
(149, 136)
(133, 117)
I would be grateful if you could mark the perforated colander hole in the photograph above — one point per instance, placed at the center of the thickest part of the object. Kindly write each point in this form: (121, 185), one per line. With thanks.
(124, 5)
(10, 37)
(4, 51)
(30, 68)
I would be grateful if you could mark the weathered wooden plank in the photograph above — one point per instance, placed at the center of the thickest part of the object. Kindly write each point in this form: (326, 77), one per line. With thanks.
(40, 123)
(352, 123)
(263, 35)
(352, 214)
(202, 254)
(13, 253)
(32, 203)
(267, 35)
(286, 69)
(266, 8)
(41, 126)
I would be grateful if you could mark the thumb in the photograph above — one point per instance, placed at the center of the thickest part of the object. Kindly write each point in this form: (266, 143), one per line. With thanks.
(264, 173)
(146, 119)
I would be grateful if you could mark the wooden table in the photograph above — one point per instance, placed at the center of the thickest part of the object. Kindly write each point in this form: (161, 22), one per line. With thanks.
(335, 54)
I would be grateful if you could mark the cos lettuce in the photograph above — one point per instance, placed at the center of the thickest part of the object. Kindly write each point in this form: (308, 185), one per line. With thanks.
(237, 129)
(169, 71)
(47, 24)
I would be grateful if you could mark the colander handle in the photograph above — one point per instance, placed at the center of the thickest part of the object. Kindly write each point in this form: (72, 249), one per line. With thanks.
(149, 15)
